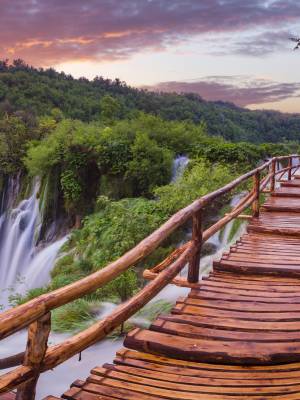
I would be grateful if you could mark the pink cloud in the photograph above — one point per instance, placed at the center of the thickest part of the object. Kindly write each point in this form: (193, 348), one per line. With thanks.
(233, 90)
(46, 32)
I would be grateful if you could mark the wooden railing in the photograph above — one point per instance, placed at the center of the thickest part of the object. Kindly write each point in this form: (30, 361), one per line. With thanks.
(36, 314)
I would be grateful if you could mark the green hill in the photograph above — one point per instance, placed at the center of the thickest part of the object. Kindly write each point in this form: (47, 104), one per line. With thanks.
(37, 91)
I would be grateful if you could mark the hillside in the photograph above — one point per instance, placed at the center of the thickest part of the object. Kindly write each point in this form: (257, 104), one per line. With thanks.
(38, 91)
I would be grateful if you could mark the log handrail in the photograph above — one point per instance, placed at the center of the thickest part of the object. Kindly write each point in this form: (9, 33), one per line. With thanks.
(59, 353)
(33, 312)
(21, 316)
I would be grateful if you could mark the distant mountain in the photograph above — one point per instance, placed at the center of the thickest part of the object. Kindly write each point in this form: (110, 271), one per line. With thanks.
(37, 92)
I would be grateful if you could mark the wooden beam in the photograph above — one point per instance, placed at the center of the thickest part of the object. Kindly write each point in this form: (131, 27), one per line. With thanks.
(38, 334)
(273, 174)
(197, 238)
(61, 352)
(256, 189)
(12, 361)
(243, 216)
(290, 165)
(21, 316)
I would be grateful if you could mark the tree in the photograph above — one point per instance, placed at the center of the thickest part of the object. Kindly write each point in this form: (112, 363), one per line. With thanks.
(111, 109)
(150, 166)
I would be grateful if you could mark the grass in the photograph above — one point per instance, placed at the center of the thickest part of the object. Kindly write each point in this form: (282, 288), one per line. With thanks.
(73, 317)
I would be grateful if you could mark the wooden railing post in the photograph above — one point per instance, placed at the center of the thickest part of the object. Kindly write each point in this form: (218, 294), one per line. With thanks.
(38, 333)
(290, 165)
(194, 266)
(273, 175)
(256, 189)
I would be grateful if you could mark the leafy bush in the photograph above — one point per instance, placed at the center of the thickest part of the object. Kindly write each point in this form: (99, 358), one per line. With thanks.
(72, 317)
(200, 178)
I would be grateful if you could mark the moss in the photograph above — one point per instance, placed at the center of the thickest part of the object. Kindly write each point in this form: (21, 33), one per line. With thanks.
(51, 201)
(2, 182)
(115, 187)
(208, 249)
(25, 188)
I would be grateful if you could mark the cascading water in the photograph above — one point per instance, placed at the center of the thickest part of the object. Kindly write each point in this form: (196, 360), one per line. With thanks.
(23, 265)
(179, 165)
(26, 218)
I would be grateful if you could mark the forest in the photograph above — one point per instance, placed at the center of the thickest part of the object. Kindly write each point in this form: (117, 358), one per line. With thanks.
(104, 154)
(37, 91)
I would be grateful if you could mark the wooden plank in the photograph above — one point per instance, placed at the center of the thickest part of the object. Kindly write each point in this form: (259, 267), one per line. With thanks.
(246, 353)
(259, 287)
(282, 328)
(198, 380)
(190, 367)
(236, 335)
(195, 307)
(154, 385)
(277, 270)
(78, 394)
(188, 327)
(161, 393)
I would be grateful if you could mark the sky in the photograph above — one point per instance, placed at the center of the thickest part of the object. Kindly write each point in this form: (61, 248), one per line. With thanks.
(230, 50)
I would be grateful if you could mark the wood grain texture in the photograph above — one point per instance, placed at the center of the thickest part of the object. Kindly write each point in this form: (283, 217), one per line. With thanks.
(235, 336)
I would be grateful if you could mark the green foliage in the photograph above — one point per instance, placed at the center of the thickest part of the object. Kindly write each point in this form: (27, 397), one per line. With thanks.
(17, 299)
(24, 88)
(200, 178)
(71, 187)
(243, 155)
(117, 228)
(94, 160)
(72, 317)
(150, 165)
(151, 311)
(14, 136)
(111, 109)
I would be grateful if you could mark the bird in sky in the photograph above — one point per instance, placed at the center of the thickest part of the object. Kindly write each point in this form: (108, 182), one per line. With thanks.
(297, 40)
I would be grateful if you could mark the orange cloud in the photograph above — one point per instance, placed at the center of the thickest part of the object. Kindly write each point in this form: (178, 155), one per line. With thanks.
(44, 32)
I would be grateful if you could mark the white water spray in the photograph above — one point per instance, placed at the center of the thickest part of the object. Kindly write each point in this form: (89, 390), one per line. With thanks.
(179, 165)
(23, 265)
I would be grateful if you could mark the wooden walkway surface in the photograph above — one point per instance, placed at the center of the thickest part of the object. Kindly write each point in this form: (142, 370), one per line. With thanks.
(235, 336)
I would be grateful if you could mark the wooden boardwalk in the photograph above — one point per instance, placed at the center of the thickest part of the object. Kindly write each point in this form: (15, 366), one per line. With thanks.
(235, 336)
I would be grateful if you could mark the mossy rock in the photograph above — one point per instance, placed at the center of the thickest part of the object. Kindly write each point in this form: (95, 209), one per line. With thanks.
(208, 249)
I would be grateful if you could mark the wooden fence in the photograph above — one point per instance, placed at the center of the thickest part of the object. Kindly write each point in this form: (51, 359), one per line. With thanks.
(36, 314)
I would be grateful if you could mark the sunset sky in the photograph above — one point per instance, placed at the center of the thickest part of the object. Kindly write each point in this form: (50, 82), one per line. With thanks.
(233, 50)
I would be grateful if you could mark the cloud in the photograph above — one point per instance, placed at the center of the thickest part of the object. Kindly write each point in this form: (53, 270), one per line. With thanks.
(257, 44)
(48, 32)
(242, 91)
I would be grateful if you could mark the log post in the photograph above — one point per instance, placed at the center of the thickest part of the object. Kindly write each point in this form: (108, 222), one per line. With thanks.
(194, 265)
(38, 333)
(256, 189)
(273, 175)
(290, 165)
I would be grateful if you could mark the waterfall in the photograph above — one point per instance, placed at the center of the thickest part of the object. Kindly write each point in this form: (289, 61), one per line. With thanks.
(23, 264)
(179, 165)
(40, 266)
